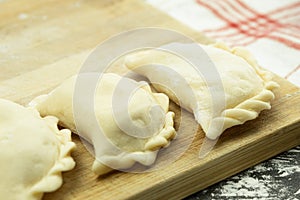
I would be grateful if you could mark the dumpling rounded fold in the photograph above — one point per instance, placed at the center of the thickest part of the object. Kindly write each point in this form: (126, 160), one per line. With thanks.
(33, 153)
(118, 147)
(246, 89)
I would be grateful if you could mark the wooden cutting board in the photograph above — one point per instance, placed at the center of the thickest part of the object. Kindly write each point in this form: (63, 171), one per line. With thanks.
(44, 42)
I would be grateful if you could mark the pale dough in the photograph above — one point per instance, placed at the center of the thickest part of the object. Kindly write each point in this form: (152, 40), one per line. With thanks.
(33, 153)
(247, 88)
(142, 150)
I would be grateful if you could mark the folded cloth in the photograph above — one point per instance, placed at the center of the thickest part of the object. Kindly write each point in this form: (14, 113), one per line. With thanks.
(270, 29)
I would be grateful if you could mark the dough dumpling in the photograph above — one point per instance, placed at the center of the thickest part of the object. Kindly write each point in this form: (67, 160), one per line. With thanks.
(33, 153)
(247, 89)
(132, 148)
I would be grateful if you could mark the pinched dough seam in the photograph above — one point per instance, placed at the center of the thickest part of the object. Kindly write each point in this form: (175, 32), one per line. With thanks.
(53, 180)
(250, 108)
(165, 136)
(162, 139)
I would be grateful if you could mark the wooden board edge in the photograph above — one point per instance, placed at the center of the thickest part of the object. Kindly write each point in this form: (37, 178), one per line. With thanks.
(180, 186)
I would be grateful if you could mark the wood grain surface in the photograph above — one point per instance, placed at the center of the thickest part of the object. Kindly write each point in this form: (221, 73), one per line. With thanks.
(44, 42)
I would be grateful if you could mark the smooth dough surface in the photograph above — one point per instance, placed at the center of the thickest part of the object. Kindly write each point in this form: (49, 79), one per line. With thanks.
(247, 89)
(132, 149)
(33, 153)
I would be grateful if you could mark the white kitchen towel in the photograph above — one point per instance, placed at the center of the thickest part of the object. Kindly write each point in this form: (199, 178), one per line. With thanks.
(270, 29)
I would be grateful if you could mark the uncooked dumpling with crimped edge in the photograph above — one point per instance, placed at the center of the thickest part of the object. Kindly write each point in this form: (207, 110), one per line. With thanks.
(33, 153)
(133, 149)
(247, 89)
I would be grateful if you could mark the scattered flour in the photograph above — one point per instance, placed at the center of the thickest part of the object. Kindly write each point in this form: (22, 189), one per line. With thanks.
(247, 187)
(3, 48)
(287, 171)
(23, 16)
(270, 180)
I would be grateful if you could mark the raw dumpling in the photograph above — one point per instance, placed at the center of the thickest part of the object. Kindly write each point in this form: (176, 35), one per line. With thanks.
(122, 150)
(246, 89)
(33, 153)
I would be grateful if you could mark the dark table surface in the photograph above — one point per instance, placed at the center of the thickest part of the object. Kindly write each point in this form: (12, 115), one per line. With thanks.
(275, 179)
